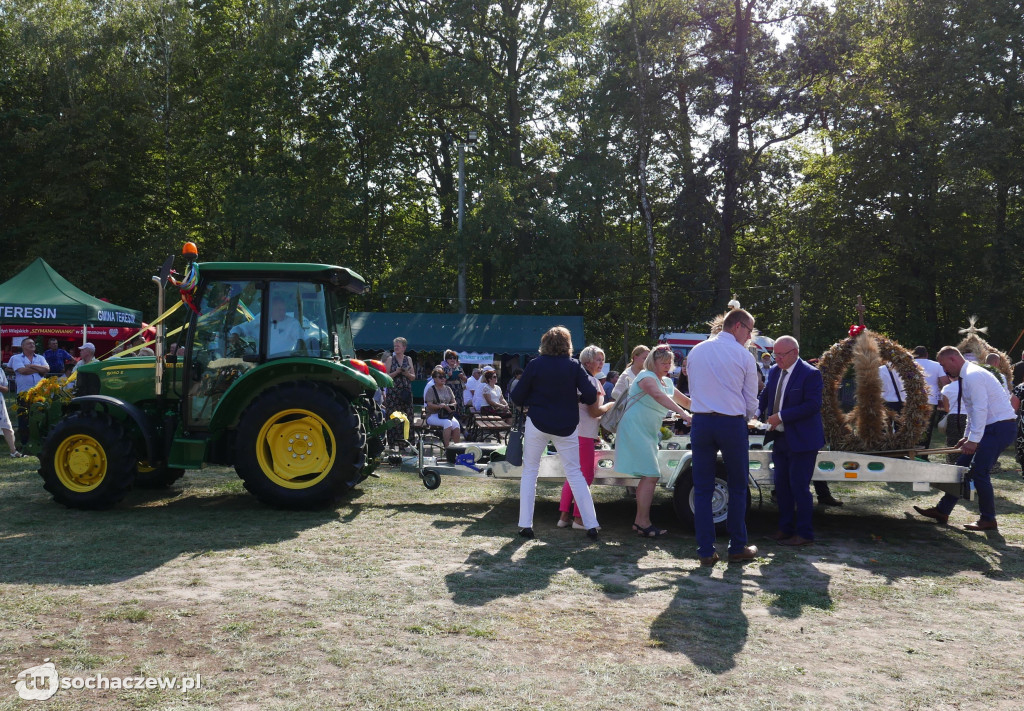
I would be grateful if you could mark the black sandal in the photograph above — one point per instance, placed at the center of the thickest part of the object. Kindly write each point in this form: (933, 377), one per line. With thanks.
(651, 531)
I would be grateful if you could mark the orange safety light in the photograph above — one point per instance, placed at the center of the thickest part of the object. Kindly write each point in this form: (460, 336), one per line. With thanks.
(190, 252)
(377, 365)
(359, 365)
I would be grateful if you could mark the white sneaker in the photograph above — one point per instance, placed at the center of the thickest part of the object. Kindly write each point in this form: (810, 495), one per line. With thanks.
(16, 455)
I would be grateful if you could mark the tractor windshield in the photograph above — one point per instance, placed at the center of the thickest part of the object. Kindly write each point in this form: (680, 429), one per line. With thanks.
(305, 311)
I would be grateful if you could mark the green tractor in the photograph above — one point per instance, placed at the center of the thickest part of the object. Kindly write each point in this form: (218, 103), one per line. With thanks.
(261, 376)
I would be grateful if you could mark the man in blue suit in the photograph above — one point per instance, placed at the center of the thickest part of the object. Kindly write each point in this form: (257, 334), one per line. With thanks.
(791, 405)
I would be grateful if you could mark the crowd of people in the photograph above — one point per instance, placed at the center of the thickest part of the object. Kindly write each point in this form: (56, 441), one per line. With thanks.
(716, 391)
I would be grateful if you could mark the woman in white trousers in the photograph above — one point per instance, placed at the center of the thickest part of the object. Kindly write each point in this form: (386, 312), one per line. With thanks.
(552, 387)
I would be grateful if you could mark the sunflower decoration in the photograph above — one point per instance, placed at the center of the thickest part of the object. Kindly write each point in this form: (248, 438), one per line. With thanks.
(974, 343)
(870, 426)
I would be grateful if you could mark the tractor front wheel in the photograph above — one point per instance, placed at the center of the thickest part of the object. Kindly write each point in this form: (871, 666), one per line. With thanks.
(87, 461)
(300, 446)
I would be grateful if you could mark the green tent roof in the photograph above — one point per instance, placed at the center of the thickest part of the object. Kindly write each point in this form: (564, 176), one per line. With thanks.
(491, 333)
(38, 294)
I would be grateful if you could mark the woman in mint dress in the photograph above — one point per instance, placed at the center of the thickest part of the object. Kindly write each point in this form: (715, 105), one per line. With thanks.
(639, 431)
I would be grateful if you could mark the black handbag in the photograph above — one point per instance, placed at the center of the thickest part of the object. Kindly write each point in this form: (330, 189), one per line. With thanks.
(514, 444)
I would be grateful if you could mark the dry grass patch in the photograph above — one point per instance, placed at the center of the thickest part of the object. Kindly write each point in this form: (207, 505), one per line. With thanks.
(403, 598)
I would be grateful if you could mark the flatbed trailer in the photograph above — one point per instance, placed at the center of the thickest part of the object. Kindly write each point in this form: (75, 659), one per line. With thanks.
(676, 471)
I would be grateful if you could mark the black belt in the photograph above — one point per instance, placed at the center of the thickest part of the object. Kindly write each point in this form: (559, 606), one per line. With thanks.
(716, 414)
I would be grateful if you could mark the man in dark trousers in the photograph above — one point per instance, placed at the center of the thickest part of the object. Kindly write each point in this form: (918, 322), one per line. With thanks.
(991, 428)
(723, 391)
(791, 405)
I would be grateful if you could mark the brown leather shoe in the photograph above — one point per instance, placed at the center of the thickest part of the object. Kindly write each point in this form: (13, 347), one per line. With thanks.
(933, 513)
(748, 553)
(982, 525)
(710, 560)
(796, 541)
(780, 536)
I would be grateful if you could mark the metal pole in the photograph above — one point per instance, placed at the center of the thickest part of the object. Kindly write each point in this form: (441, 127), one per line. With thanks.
(462, 215)
(159, 350)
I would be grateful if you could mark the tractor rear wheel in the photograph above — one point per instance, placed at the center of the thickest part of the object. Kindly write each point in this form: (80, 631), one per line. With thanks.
(87, 461)
(300, 446)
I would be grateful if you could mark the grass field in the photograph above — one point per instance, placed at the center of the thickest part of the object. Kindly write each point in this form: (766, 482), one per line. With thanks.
(404, 598)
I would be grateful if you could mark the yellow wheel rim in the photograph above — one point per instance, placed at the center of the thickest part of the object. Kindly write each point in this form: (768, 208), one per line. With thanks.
(144, 467)
(80, 463)
(296, 449)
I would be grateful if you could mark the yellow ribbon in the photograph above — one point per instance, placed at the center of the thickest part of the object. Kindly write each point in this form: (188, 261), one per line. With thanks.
(162, 316)
(398, 415)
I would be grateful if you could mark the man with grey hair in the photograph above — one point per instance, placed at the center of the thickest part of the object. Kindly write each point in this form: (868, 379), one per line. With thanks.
(723, 391)
(991, 428)
(29, 368)
(87, 353)
(791, 405)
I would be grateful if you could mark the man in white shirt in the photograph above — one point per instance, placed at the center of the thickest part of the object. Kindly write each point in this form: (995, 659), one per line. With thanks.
(285, 330)
(470, 390)
(723, 390)
(935, 379)
(893, 392)
(29, 368)
(991, 428)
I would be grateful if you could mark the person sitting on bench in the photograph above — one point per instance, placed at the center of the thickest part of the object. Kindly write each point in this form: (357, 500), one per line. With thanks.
(488, 399)
(439, 401)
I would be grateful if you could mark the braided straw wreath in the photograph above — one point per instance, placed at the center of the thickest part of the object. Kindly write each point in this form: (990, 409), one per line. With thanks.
(869, 426)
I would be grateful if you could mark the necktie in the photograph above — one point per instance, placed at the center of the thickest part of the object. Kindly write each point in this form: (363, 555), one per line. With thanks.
(780, 388)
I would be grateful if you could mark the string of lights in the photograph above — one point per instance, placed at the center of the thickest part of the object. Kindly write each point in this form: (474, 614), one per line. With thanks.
(556, 301)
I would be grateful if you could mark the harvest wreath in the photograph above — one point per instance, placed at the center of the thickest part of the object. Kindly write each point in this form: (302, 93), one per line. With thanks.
(871, 426)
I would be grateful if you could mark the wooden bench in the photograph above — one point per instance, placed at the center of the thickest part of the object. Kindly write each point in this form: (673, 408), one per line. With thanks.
(484, 427)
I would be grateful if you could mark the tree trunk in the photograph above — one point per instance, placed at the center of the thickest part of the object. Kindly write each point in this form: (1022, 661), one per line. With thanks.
(732, 160)
(643, 155)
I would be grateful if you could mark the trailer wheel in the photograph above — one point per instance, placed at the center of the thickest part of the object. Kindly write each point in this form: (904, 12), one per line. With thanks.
(682, 499)
(87, 461)
(159, 477)
(300, 446)
(431, 479)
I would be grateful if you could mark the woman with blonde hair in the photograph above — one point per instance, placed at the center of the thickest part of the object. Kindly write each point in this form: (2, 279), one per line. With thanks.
(592, 359)
(626, 378)
(402, 371)
(552, 386)
(639, 431)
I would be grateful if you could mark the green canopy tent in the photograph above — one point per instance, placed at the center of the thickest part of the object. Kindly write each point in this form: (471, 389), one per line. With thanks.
(478, 338)
(38, 295)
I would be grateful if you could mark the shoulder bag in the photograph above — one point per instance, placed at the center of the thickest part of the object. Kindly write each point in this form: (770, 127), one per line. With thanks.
(514, 443)
(610, 420)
